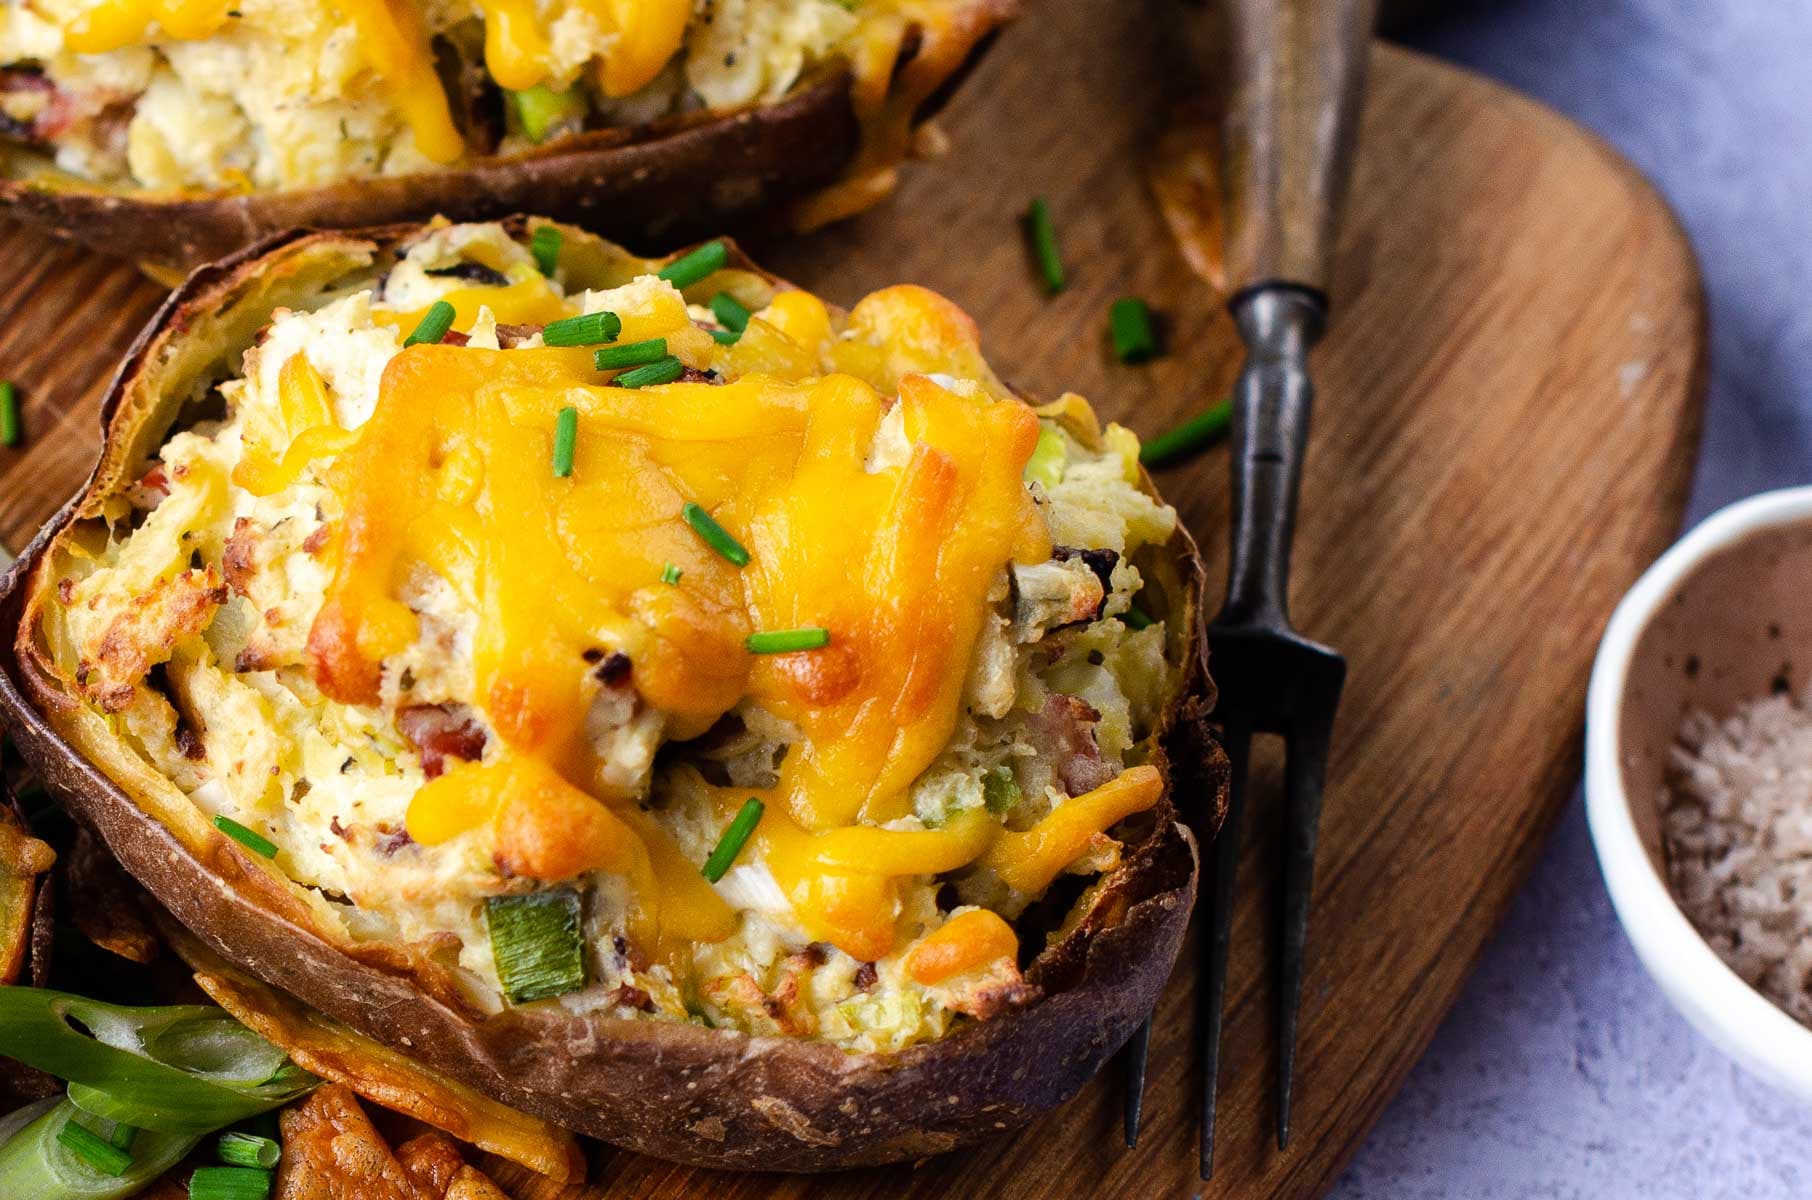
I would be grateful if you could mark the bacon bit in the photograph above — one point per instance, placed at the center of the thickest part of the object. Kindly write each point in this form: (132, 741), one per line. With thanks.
(439, 733)
(338, 830)
(630, 996)
(511, 336)
(189, 743)
(317, 538)
(866, 976)
(813, 955)
(694, 375)
(454, 338)
(1067, 723)
(397, 839)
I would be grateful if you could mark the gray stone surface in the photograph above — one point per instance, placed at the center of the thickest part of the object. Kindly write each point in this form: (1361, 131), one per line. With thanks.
(1563, 1072)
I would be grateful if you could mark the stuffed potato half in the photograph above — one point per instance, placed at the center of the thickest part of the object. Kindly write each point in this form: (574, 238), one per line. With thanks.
(176, 131)
(438, 683)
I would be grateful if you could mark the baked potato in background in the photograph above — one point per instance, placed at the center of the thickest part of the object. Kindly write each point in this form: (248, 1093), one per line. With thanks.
(946, 919)
(172, 132)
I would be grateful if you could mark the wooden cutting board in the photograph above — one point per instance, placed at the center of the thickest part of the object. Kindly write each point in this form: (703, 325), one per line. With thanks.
(1509, 410)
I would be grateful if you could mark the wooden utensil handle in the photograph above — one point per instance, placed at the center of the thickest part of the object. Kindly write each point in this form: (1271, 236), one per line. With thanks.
(1297, 71)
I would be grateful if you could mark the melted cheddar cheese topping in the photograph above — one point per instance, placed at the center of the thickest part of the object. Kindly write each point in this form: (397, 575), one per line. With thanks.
(439, 671)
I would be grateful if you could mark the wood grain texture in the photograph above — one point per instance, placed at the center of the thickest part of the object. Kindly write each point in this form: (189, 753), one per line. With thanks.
(1508, 410)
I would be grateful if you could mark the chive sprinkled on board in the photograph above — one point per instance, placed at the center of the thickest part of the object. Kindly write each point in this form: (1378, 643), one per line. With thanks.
(714, 535)
(545, 246)
(731, 844)
(92, 1149)
(535, 943)
(433, 325)
(655, 373)
(688, 269)
(630, 354)
(256, 842)
(566, 440)
(1043, 237)
(591, 329)
(1129, 328)
(785, 641)
(230, 1183)
(670, 574)
(9, 413)
(1188, 437)
(239, 1149)
(730, 312)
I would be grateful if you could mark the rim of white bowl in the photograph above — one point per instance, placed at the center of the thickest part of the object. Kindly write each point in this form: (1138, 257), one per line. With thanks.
(1744, 1023)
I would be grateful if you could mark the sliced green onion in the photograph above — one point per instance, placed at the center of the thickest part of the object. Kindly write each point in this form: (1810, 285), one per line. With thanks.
(540, 108)
(652, 375)
(1188, 437)
(175, 1069)
(256, 842)
(730, 312)
(1049, 457)
(94, 1150)
(670, 573)
(38, 1160)
(631, 354)
(715, 535)
(785, 641)
(687, 270)
(591, 329)
(725, 337)
(9, 413)
(1000, 791)
(1043, 237)
(730, 845)
(545, 246)
(566, 440)
(536, 945)
(1129, 326)
(248, 1150)
(433, 325)
(230, 1183)
(1137, 618)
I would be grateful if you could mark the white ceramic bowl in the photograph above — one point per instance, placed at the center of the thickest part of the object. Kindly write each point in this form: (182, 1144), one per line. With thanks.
(1723, 616)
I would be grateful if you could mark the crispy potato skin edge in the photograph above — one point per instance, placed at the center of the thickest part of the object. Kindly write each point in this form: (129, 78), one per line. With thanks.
(682, 1092)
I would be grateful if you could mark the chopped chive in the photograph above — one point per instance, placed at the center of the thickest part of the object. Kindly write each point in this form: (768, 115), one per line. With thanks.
(434, 325)
(230, 1183)
(257, 843)
(631, 354)
(591, 329)
(715, 535)
(725, 337)
(1188, 437)
(1000, 791)
(665, 371)
(566, 440)
(1129, 325)
(785, 641)
(1137, 618)
(123, 1136)
(1043, 236)
(687, 270)
(93, 1149)
(9, 413)
(545, 246)
(730, 845)
(248, 1150)
(670, 574)
(730, 312)
(536, 945)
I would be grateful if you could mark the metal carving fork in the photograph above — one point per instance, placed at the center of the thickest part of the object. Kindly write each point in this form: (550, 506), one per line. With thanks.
(1297, 74)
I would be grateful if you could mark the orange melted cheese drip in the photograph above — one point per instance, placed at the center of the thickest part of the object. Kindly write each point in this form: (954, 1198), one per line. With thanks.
(453, 473)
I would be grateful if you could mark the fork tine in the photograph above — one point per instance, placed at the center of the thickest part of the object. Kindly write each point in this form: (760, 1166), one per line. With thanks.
(1237, 739)
(1305, 771)
(1136, 1052)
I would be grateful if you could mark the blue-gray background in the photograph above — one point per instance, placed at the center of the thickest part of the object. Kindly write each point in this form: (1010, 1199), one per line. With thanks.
(1562, 1072)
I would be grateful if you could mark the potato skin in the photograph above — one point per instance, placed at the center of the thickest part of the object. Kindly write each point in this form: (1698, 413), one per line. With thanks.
(681, 177)
(678, 1091)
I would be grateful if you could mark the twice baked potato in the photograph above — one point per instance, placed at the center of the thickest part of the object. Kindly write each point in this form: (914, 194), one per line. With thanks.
(727, 726)
(175, 131)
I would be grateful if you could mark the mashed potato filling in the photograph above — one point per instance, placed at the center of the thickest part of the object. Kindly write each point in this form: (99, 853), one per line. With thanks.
(365, 615)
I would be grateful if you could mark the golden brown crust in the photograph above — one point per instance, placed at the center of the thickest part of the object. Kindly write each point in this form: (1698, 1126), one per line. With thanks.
(676, 1090)
(831, 145)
